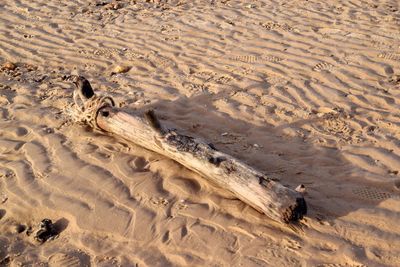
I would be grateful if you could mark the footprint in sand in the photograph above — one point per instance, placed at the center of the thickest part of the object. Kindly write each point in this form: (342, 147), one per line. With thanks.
(273, 59)
(330, 31)
(222, 79)
(336, 127)
(193, 88)
(291, 244)
(160, 61)
(246, 98)
(247, 58)
(270, 26)
(68, 260)
(254, 59)
(390, 56)
(275, 80)
(380, 44)
(323, 66)
(371, 194)
(38, 157)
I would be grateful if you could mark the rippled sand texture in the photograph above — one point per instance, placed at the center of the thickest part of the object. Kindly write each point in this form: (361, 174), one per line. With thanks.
(306, 91)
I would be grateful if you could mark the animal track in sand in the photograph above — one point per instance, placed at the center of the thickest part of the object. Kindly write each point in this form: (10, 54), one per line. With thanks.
(323, 66)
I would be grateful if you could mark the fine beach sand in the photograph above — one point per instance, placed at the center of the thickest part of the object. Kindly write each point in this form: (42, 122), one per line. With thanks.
(305, 91)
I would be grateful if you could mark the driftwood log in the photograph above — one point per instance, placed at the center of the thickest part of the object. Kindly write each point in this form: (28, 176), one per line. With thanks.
(251, 186)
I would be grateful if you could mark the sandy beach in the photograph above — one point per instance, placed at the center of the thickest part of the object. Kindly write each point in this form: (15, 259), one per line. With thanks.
(306, 91)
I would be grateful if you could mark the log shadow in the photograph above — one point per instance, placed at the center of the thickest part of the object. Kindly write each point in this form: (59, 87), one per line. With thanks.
(60, 225)
(333, 189)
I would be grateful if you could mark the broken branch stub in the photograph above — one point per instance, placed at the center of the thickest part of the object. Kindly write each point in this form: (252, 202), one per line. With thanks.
(251, 186)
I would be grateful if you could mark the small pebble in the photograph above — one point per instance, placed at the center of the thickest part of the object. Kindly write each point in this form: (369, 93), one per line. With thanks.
(9, 66)
(120, 69)
(224, 134)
